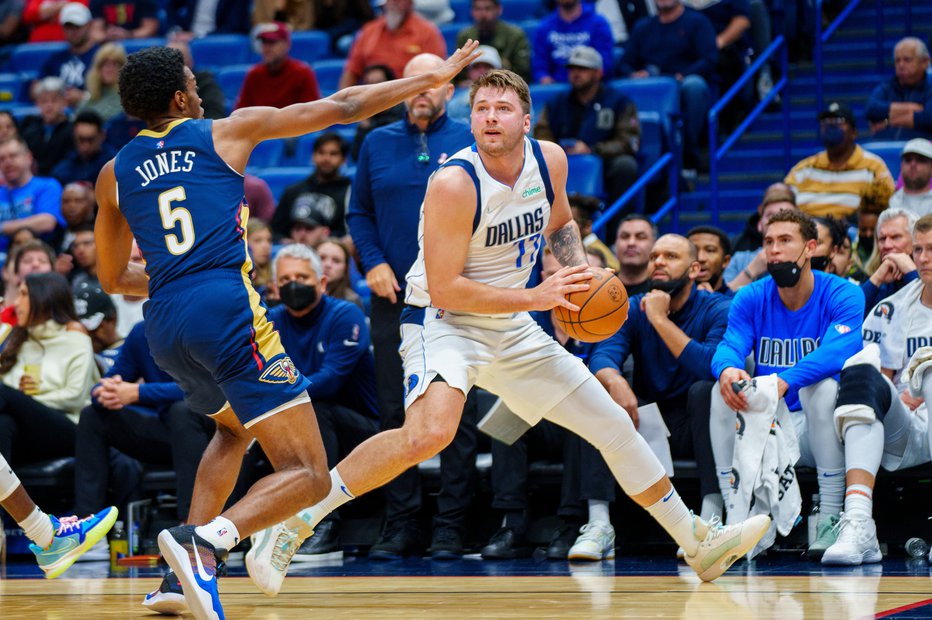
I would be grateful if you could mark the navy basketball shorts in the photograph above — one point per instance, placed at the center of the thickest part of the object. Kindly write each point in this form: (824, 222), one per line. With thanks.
(209, 331)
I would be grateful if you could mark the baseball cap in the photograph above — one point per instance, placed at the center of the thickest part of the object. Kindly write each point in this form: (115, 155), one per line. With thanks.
(304, 212)
(488, 55)
(585, 57)
(93, 305)
(919, 146)
(837, 109)
(74, 13)
(272, 31)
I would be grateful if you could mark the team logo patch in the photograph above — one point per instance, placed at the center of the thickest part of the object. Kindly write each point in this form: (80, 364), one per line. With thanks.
(884, 310)
(842, 329)
(282, 371)
(410, 384)
(740, 425)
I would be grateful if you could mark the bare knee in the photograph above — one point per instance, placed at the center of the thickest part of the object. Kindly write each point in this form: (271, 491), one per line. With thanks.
(424, 443)
(315, 483)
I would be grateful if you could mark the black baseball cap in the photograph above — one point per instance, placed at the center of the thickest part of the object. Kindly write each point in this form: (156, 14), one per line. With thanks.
(93, 306)
(837, 109)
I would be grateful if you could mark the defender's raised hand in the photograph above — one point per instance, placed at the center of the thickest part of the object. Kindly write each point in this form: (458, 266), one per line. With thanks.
(459, 60)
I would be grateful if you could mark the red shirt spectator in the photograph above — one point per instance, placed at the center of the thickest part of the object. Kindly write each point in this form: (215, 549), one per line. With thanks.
(392, 40)
(43, 17)
(279, 80)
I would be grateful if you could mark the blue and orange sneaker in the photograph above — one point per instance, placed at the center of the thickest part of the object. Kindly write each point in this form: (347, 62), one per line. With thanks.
(194, 561)
(73, 537)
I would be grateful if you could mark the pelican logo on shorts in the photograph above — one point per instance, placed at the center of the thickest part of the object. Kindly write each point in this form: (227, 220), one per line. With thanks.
(282, 371)
(410, 384)
(614, 293)
(735, 479)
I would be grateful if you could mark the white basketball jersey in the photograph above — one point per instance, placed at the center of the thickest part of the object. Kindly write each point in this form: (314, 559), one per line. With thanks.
(507, 228)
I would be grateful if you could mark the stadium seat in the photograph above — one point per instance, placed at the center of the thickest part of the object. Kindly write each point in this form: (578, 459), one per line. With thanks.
(134, 45)
(222, 50)
(462, 10)
(529, 26)
(280, 178)
(13, 88)
(584, 175)
(299, 152)
(449, 32)
(541, 95)
(660, 95)
(267, 154)
(328, 74)
(310, 45)
(518, 10)
(230, 80)
(31, 56)
(652, 137)
(889, 152)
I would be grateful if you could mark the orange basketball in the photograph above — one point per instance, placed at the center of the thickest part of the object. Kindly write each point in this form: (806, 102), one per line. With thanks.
(603, 309)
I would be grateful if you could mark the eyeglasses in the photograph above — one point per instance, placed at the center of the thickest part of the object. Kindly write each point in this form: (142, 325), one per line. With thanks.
(423, 154)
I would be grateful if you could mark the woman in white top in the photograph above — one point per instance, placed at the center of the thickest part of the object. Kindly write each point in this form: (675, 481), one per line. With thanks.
(47, 371)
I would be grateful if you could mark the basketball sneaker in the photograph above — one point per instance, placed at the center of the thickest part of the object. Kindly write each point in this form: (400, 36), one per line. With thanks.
(194, 561)
(168, 598)
(826, 534)
(856, 543)
(596, 542)
(272, 551)
(721, 545)
(72, 538)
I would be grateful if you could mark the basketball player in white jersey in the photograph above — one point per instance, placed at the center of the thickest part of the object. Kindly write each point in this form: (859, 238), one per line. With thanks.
(485, 214)
(882, 420)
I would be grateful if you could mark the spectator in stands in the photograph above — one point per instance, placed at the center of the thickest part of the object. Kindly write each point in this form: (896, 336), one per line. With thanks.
(8, 127)
(77, 207)
(636, 236)
(72, 64)
(84, 252)
(731, 20)
(12, 31)
(259, 240)
(510, 463)
(42, 18)
(320, 200)
(394, 165)
(48, 134)
(583, 208)
(121, 129)
(329, 339)
(746, 266)
(916, 170)
(672, 332)
(30, 257)
(279, 80)
(192, 19)
(335, 260)
(622, 15)
(138, 409)
(259, 198)
(680, 43)
(844, 264)
(714, 254)
(831, 182)
(892, 267)
(208, 90)
(489, 58)
(26, 201)
(594, 119)
(98, 315)
(338, 18)
(103, 96)
(47, 369)
(507, 39)
(901, 108)
(392, 39)
(90, 152)
(117, 20)
(375, 74)
(572, 23)
(828, 243)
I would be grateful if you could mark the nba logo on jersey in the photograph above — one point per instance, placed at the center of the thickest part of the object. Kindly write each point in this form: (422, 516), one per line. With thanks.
(282, 371)
(160, 144)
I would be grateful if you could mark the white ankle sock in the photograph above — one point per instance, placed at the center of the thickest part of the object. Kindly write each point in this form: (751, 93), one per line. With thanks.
(220, 532)
(723, 473)
(831, 490)
(859, 500)
(712, 506)
(38, 528)
(672, 514)
(338, 496)
(598, 512)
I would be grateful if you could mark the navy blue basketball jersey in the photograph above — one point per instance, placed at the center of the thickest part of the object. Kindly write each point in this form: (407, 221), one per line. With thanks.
(184, 204)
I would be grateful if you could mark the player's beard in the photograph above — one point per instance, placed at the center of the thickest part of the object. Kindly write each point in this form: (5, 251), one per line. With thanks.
(506, 145)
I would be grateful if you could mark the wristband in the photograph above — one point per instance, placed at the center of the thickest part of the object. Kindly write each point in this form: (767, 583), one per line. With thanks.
(748, 274)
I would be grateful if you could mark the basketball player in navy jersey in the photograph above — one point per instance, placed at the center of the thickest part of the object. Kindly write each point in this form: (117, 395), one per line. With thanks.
(485, 214)
(177, 187)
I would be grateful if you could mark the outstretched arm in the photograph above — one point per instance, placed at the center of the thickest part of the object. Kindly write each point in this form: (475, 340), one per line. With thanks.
(116, 274)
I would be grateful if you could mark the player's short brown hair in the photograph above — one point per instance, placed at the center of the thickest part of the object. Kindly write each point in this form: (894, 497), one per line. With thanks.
(923, 224)
(503, 79)
(807, 226)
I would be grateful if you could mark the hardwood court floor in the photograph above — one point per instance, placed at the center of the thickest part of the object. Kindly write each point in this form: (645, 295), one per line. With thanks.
(595, 592)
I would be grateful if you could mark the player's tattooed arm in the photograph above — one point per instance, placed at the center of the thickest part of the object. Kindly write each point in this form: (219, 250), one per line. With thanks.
(566, 245)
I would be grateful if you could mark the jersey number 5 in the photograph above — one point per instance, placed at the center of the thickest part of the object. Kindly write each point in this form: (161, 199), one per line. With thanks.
(170, 217)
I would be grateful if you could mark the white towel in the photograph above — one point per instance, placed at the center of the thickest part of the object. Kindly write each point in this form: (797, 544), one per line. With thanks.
(766, 451)
(919, 364)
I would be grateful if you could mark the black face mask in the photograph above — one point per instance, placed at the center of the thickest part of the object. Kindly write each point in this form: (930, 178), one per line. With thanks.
(787, 273)
(819, 263)
(833, 135)
(671, 287)
(298, 296)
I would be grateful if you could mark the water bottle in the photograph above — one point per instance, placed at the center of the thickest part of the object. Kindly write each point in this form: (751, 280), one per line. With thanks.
(812, 522)
(119, 543)
(917, 548)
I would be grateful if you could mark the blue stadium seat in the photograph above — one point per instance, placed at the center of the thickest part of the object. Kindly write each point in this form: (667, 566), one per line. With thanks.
(267, 154)
(529, 26)
(449, 32)
(134, 45)
(461, 10)
(13, 88)
(889, 152)
(328, 74)
(230, 80)
(584, 175)
(310, 45)
(300, 152)
(661, 96)
(517, 10)
(652, 138)
(280, 178)
(31, 56)
(542, 94)
(222, 50)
